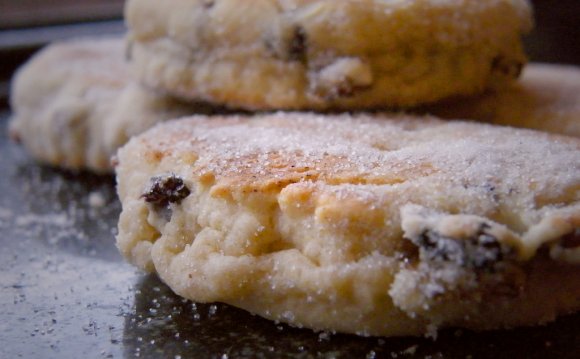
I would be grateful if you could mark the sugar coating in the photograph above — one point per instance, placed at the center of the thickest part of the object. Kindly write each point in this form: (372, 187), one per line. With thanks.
(75, 103)
(296, 54)
(369, 224)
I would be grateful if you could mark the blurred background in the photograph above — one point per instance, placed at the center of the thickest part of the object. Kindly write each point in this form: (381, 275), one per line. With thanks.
(25, 25)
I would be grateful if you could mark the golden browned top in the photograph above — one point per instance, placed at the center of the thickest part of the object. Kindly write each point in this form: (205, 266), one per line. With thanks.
(268, 153)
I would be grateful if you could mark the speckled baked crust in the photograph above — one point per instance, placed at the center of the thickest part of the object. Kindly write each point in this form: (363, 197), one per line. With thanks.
(321, 54)
(547, 98)
(375, 225)
(74, 103)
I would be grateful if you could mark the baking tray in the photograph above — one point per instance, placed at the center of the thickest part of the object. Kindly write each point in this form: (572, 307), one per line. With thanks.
(67, 293)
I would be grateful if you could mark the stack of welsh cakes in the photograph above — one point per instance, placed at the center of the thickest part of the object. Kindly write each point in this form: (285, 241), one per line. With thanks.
(401, 202)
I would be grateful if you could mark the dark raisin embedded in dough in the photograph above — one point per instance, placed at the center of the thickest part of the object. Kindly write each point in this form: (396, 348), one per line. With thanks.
(288, 43)
(485, 251)
(208, 4)
(297, 46)
(510, 68)
(437, 248)
(166, 189)
(481, 251)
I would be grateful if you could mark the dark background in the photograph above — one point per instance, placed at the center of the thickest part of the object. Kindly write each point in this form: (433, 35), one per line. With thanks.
(556, 37)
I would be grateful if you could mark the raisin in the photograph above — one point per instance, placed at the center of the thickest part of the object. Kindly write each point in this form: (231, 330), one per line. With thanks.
(297, 46)
(288, 45)
(208, 4)
(166, 189)
(439, 248)
(485, 251)
(481, 252)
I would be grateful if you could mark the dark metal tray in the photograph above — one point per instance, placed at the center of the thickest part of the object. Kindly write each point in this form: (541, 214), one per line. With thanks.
(66, 292)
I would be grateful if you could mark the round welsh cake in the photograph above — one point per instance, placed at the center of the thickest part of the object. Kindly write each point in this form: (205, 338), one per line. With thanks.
(326, 54)
(376, 225)
(74, 104)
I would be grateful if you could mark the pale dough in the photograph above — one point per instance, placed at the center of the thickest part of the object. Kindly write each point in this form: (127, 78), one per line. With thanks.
(376, 225)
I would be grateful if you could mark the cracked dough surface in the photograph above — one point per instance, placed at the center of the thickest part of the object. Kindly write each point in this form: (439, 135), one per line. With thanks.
(74, 104)
(323, 54)
(375, 225)
(546, 98)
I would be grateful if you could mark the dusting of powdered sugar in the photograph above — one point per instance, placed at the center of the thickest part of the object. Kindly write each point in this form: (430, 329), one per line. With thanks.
(373, 146)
